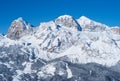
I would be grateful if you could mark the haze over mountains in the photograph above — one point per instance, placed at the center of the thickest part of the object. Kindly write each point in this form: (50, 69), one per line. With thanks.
(63, 49)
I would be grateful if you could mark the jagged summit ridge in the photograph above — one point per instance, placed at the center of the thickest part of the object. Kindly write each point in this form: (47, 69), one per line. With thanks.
(20, 27)
(55, 51)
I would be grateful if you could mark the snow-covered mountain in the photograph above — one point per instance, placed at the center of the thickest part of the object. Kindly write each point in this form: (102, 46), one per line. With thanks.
(18, 28)
(90, 25)
(68, 21)
(64, 49)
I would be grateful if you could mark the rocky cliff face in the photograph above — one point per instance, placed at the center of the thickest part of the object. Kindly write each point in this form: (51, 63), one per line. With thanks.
(68, 21)
(18, 29)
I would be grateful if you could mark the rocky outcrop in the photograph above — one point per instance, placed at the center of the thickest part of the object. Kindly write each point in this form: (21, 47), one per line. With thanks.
(18, 28)
(115, 30)
(68, 21)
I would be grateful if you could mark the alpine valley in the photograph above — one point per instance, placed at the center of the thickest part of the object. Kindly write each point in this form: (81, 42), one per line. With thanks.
(64, 49)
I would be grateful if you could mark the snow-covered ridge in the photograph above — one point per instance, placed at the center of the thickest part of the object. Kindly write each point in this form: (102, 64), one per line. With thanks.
(58, 36)
(90, 25)
(20, 27)
(66, 49)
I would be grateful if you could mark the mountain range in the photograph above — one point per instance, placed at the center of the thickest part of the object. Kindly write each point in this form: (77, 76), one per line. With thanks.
(63, 49)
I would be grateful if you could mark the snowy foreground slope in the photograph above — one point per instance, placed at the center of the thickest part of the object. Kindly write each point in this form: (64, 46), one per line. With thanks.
(65, 49)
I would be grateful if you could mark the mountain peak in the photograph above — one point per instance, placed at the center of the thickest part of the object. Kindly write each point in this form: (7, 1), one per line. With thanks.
(20, 22)
(18, 28)
(19, 19)
(90, 25)
(85, 19)
(67, 21)
(65, 16)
